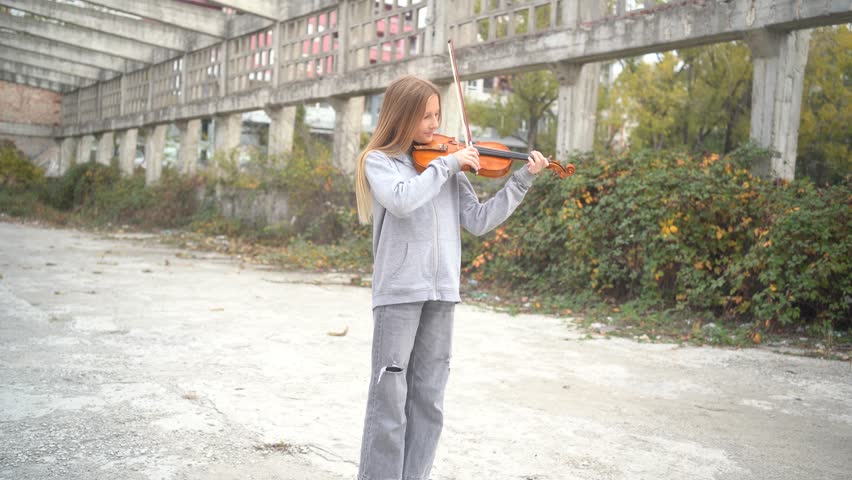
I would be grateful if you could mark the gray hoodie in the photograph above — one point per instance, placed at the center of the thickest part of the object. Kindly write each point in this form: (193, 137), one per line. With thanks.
(417, 220)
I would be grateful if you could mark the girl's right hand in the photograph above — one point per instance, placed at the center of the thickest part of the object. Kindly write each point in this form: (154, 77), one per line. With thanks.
(469, 157)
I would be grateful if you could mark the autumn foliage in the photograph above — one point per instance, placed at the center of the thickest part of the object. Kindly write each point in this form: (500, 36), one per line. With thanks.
(675, 231)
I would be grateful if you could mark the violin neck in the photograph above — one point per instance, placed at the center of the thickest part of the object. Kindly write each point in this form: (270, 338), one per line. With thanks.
(501, 153)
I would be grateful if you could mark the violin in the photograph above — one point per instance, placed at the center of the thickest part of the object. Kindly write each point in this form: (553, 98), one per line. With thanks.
(495, 159)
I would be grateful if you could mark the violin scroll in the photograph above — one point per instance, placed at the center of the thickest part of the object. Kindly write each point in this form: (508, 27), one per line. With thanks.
(559, 170)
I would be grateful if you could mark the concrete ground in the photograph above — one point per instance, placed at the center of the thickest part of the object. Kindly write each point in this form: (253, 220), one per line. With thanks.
(124, 359)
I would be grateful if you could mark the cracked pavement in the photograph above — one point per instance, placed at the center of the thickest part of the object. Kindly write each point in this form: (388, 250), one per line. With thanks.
(121, 358)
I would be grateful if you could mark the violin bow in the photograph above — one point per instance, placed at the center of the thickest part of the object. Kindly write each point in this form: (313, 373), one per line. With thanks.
(468, 140)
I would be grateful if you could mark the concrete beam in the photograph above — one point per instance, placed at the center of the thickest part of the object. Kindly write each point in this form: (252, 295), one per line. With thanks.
(53, 63)
(676, 26)
(298, 8)
(41, 83)
(240, 25)
(29, 43)
(42, 73)
(93, 40)
(688, 24)
(26, 129)
(262, 8)
(183, 15)
(152, 33)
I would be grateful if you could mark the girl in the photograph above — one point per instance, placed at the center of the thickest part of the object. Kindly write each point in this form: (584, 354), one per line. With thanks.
(416, 261)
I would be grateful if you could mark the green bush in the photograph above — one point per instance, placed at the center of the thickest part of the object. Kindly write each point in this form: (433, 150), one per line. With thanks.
(672, 231)
(800, 263)
(78, 185)
(171, 202)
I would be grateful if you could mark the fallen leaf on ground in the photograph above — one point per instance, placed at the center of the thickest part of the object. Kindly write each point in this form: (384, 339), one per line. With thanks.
(341, 333)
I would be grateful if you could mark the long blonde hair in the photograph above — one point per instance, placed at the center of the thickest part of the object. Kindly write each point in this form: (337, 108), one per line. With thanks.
(402, 109)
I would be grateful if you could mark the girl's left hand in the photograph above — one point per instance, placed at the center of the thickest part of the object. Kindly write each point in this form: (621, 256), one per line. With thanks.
(536, 162)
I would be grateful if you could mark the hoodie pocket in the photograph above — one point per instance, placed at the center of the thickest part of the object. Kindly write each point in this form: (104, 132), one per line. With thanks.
(405, 268)
(396, 260)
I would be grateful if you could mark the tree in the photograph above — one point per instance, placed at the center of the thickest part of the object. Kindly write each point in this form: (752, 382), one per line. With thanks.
(825, 135)
(530, 101)
(653, 96)
(699, 97)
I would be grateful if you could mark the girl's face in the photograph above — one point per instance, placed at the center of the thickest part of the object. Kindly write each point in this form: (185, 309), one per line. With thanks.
(430, 121)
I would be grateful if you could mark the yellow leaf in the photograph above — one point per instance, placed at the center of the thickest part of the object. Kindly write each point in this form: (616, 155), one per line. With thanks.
(341, 333)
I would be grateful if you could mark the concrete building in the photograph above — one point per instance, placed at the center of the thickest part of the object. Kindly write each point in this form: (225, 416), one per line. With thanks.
(125, 71)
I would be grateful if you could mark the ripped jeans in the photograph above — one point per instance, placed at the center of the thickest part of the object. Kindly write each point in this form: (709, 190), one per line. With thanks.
(410, 366)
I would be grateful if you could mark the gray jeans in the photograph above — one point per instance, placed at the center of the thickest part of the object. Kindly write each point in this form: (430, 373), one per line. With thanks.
(410, 366)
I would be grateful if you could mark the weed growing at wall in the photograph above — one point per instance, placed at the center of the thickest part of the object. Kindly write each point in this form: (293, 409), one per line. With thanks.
(320, 196)
(16, 171)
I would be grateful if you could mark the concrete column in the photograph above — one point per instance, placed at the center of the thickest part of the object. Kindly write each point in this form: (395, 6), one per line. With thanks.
(578, 87)
(127, 151)
(154, 145)
(223, 68)
(122, 99)
(347, 132)
(342, 61)
(578, 103)
(281, 129)
(84, 149)
(106, 148)
(276, 51)
(779, 72)
(578, 11)
(440, 13)
(228, 129)
(67, 152)
(190, 135)
(451, 121)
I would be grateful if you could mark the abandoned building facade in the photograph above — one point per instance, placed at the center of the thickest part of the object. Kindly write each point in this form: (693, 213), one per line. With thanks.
(125, 71)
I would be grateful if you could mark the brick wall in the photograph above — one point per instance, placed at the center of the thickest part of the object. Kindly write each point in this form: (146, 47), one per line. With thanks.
(25, 104)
